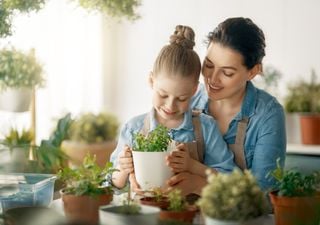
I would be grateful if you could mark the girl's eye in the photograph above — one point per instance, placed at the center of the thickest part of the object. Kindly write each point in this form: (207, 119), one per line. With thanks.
(209, 66)
(182, 99)
(163, 96)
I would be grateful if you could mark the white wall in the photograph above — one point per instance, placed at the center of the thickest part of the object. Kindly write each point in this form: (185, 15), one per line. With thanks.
(290, 27)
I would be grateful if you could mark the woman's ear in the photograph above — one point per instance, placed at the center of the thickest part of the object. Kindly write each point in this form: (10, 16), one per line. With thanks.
(150, 79)
(257, 69)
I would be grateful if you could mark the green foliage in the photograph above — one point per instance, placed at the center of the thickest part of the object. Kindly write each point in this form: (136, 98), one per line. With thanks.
(9, 7)
(23, 5)
(304, 96)
(129, 207)
(91, 128)
(156, 141)
(234, 196)
(87, 179)
(49, 155)
(176, 201)
(19, 70)
(113, 8)
(294, 184)
(15, 138)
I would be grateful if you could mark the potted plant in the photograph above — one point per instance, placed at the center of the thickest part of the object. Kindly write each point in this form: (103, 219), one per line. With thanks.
(155, 197)
(296, 198)
(18, 143)
(87, 187)
(232, 199)
(20, 73)
(149, 152)
(304, 98)
(178, 209)
(91, 133)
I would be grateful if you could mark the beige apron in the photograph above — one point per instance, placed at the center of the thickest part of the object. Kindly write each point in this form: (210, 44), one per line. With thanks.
(238, 147)
(195, 148)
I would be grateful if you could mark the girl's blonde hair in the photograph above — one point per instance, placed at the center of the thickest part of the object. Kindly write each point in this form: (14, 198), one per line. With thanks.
(179, 57)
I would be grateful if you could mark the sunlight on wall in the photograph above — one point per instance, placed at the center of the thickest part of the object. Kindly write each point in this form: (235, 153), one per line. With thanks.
(68, 42)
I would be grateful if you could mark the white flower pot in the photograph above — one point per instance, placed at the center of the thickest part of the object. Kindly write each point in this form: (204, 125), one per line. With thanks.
(15, 100)
(151, 169)
(109, 216)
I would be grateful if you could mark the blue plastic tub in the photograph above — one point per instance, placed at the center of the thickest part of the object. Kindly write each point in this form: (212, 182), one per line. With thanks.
(25, 190)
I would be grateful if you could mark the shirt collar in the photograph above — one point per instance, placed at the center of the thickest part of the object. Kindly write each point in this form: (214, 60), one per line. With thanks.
(186, 123)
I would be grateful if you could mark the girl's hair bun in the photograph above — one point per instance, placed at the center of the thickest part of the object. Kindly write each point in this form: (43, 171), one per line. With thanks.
(183, 36)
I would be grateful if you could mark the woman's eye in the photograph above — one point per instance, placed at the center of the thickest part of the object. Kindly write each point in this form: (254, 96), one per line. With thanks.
(163, 96)
(209, 66)
(182, 99)
(228, 74)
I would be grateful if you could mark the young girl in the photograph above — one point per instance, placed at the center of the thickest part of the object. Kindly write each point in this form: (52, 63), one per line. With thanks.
(174, 80)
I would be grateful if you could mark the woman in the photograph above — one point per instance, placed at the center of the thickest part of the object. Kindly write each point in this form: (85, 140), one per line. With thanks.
(251, 121)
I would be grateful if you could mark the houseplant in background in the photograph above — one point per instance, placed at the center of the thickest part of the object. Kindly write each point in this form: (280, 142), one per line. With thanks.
(91, 133)
(232, 199)
(20, 73)
(87, 187)
(19, 143)
(296, 198)
(304, 98)
(149, 152)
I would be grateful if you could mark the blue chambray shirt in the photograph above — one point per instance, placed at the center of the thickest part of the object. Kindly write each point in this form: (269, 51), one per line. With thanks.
(265, 139)
(216, 153)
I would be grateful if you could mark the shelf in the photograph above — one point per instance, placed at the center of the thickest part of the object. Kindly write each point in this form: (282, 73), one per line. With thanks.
(303, 149)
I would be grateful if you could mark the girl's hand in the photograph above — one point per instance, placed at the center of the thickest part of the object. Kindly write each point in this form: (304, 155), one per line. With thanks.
(125, 160)
(179, 160)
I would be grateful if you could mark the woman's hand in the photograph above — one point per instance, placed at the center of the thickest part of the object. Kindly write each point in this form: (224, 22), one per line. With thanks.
(125, 160)
(188, 183)
(179, 160)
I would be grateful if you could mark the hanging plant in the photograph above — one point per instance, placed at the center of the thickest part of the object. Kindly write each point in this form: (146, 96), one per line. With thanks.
(113, 8)
(9, 7)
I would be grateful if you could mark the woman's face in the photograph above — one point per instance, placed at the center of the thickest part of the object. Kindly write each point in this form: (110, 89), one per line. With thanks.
(224, 72)
(171, 95)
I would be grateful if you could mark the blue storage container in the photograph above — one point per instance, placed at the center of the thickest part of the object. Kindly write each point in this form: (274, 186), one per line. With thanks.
(26, 189)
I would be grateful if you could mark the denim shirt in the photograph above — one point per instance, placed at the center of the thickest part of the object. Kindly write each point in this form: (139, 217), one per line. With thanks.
(265, 139)
(216, 153)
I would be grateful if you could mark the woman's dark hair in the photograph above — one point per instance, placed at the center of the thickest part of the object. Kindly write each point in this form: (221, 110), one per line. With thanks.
(179, 57)
(242, 35)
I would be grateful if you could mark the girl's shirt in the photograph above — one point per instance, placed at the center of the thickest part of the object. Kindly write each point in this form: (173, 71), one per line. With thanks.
(265, 139)
(216, 153)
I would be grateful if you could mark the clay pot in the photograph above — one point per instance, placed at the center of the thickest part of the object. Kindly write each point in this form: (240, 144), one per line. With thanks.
(182, 216)
(296, 210)
(84, 209)
(310, 126)
(163, 203)
(77, 151)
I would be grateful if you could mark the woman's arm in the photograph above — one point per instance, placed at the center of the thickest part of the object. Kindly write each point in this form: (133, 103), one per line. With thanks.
(270, 145)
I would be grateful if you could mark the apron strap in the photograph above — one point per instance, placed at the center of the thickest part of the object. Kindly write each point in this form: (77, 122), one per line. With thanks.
(198, 134)
(238, 147)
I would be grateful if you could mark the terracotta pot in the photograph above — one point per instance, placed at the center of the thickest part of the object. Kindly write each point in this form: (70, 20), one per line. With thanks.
(296, 210)
(163, 203)
(77, 151)
(183, 216)
(310, 129)
(84, 209)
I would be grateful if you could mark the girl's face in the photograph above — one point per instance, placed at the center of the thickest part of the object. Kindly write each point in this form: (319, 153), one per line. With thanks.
(224, 72)
(171, 95)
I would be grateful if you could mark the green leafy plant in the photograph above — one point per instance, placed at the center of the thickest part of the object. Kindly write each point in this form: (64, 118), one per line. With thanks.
(155, 141)
(234, 196)
(10, 7)
(87, 179)
(113, 8)
(176, 201)
(94, 128)
(304, 96)
(292, 183)
(16, 138)
(19, 70)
